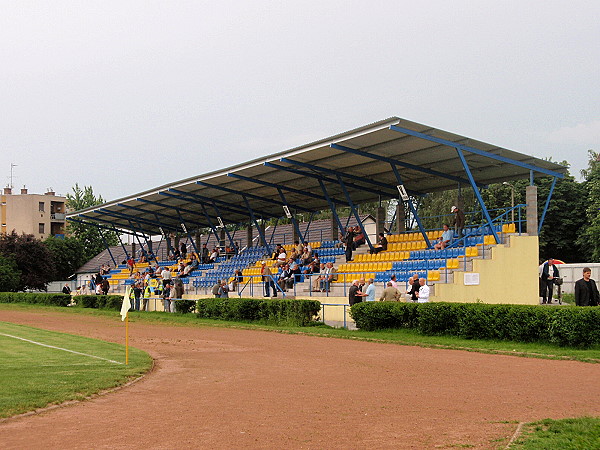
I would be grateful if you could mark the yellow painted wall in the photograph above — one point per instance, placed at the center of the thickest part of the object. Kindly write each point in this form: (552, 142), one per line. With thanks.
(510, 276)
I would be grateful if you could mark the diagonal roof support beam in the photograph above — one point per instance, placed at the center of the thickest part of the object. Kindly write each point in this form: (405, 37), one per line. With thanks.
(246, 195)
(336, 173)
(104, 227)
(275, 186)
(293, 218)
(135, 208)
(185, 210)
(413, 210)
(355, 212)
(217, 212)
(128, 217)
(206, 200)
(401, 164)
(477, 151)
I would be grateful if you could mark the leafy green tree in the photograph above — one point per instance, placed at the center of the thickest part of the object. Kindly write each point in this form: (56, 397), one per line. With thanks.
(10, 274)
(589, 237)
(88, 235)
(566, 213)
(33, 259)
(68, 255)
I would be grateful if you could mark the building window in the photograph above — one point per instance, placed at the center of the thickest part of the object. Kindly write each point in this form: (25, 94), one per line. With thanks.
(42, 208)
(42, 228)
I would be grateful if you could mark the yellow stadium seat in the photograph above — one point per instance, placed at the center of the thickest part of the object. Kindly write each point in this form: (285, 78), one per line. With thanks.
(512, 228)
(434, 275)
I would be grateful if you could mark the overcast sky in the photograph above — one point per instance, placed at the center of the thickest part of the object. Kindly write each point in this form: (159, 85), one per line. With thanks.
(128, 95)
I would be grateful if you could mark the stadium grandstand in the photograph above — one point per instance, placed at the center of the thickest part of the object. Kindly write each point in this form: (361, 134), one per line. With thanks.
(393, 159)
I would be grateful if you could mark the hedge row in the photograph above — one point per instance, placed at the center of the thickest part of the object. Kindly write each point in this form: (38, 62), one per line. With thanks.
(113, 302)
(35, 298)
(289, 312)
(566, 326)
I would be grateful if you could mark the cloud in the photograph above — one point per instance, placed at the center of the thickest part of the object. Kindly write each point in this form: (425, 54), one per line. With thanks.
(585, 134)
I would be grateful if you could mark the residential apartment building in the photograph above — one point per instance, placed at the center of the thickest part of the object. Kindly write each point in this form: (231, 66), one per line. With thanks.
(42, 215)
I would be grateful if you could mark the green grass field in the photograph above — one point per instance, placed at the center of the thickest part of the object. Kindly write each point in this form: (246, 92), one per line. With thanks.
(34, 376)
(566, 434)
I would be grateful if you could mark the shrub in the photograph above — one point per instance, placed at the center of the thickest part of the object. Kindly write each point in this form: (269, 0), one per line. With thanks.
(282, 312)
(113, 302)
(185, 306)
(566, 326)
(384, 315)
(35, 298)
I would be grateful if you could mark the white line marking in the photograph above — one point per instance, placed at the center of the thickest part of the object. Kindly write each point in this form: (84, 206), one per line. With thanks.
(516, 435)
(60, 348)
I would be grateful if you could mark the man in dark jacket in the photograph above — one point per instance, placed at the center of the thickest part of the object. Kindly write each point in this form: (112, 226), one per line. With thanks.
(459, 220)
(586, 291)
(549, 273)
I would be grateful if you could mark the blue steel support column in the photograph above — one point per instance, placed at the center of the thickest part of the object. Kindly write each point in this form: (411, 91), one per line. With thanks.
(106, 245)
(332, 207)
(412, 208)
(258, 228)
(354, 211)
(148, 244)
(310, 219)
(211, 225)
(231, 241)
(294, 221)
(121, 242)
(164, 236)
(136, 236)
(185, 229)
(273, 233)
(477, 194)
(546, 205)
(392, 222)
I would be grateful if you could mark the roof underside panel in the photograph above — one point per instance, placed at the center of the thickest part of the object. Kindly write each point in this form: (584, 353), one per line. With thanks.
(362, 159)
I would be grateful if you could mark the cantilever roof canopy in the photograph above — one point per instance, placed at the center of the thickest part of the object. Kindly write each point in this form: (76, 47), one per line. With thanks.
(361, 165)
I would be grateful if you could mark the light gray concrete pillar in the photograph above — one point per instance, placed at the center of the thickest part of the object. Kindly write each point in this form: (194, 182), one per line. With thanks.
(295, 236)
(249, 235)
(531, 210)
(334, 228)
(379, 220)
(400, 218)
(262, 229)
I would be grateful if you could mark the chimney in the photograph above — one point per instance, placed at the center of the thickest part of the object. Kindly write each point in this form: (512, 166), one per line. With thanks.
(7, 190)
(50, 192)
(23, 190)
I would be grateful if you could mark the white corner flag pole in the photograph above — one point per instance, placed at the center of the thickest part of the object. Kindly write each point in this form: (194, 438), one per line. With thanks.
(125, 316)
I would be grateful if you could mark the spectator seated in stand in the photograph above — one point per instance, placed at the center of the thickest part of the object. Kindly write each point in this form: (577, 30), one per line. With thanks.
(329, 276)
(281, 258)
(296, 274)
(313, 267)
(276, 252)
(382, 244)
(316, 280)
(194, 261)
(359, 237)
(214, 255)
(445, 238)
(306, 257)
(284, 277)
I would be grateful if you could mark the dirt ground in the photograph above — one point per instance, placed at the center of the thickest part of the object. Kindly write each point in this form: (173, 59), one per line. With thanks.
(228, 388)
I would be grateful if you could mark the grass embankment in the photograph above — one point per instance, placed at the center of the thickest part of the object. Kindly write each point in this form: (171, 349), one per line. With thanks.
(400, 337)
(565, 434)
(35, 376)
